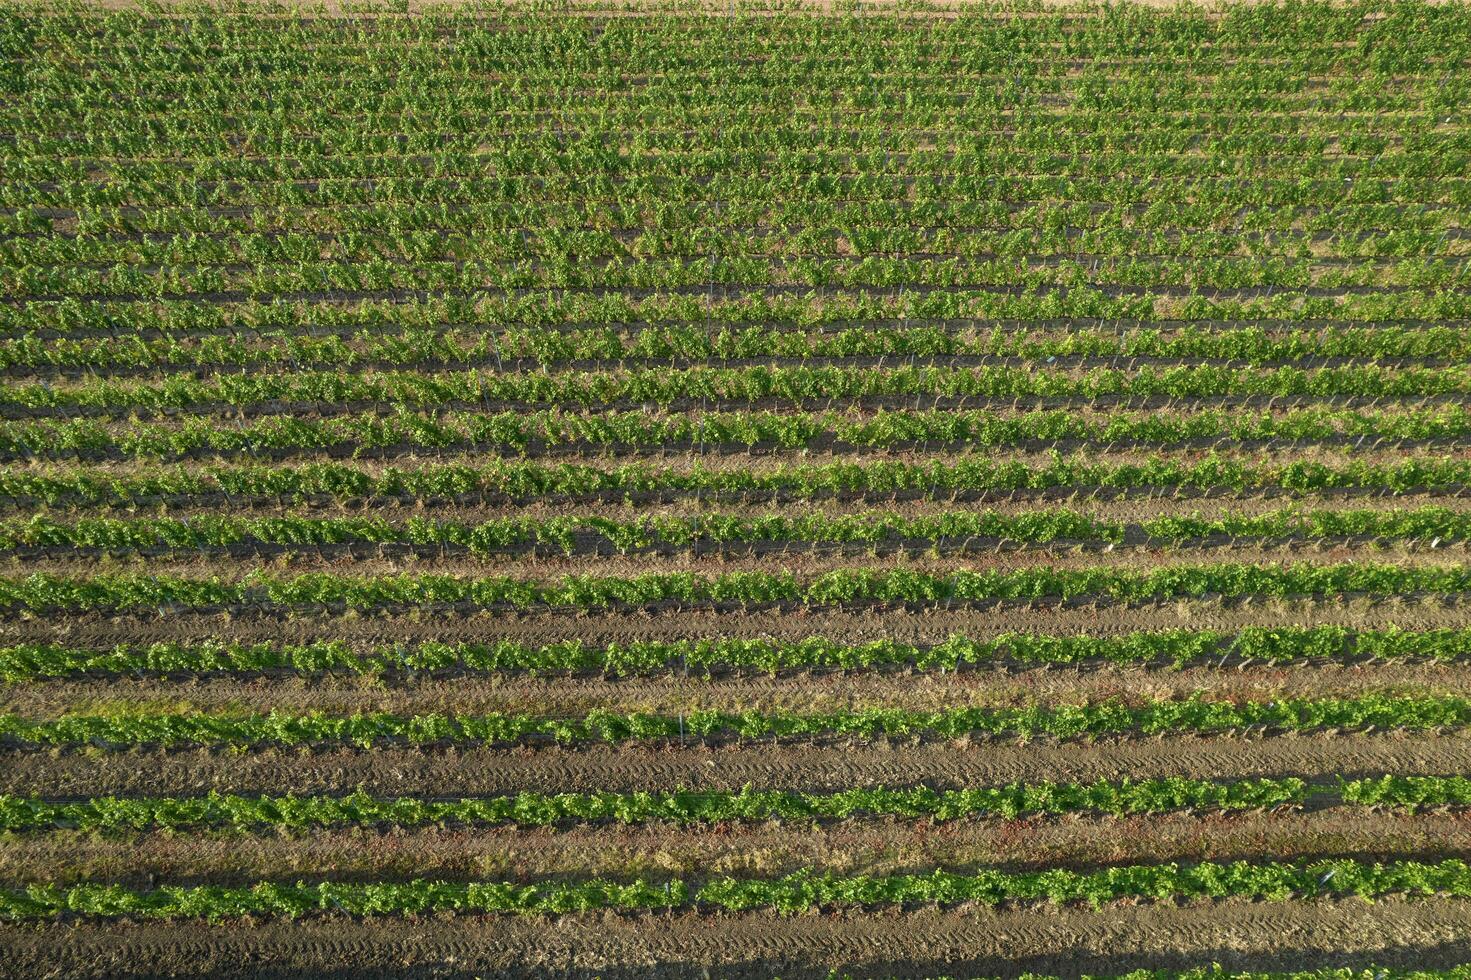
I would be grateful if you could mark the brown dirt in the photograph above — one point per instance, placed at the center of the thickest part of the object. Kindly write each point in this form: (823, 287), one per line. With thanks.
(769, 849)
(919, 691)
(474, 771)
(688, 946)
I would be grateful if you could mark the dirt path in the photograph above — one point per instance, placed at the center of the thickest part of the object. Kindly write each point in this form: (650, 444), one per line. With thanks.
(473, 771)
(767, 849)
(1255, 936)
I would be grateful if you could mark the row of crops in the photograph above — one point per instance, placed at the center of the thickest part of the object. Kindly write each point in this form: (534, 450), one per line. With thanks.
(1176, 648)
(821, 486)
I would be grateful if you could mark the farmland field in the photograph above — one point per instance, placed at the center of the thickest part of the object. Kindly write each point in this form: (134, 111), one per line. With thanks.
(735, 491)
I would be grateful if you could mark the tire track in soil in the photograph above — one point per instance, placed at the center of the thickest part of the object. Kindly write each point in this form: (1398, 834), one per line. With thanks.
(766, 849)
(403, 771)
(756, 946)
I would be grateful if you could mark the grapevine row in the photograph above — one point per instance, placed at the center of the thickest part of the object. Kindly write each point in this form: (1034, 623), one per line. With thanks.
(524, 480)
(518, 347)
(437, 309)
(799, 892)
(1421, 217)
(1177, 648)
(726, 271)
(552, 348)
(544, 430)
(534, 809)
(824, 240)
(127, 591)
(120, 728)
(575, 534)
(660, 386)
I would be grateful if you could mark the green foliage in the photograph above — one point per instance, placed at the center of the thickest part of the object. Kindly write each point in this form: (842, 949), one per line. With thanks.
(533, 809)
(123, 728)
(1409, 791)
(657, 386)
(512, 345)
(527, 479)
(504, 248)
(534, 432)
(792, 894)
(44, 592)
(573, 533)
(1169, 647)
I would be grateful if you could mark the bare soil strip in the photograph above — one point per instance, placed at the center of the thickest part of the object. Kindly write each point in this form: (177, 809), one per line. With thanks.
(767, 849)
(674, 693)
(758, 946)
(401, 771)
(99, 631)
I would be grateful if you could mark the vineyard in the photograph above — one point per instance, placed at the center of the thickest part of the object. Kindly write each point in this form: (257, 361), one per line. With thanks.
(667, 489)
